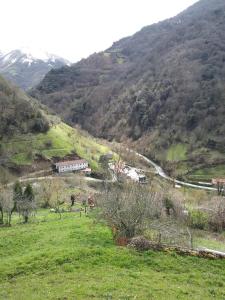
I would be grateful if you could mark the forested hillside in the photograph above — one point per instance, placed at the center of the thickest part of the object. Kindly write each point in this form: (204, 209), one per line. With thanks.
(19, 113)
(30, 137)
(162, 87)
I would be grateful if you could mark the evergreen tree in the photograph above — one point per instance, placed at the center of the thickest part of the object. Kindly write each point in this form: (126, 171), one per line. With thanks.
(17, 192)
(29, 193)
(26, 201)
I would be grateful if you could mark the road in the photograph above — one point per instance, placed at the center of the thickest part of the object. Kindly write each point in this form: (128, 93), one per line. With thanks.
(50, 177)
(162, 174)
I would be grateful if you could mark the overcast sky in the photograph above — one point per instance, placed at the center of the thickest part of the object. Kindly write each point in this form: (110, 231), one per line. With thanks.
(75, 29)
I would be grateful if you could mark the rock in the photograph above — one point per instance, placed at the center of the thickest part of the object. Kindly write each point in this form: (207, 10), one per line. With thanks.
(139, 243)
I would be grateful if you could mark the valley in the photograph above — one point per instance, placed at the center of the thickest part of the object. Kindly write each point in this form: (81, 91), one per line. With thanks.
(161, 89)
(112, 168)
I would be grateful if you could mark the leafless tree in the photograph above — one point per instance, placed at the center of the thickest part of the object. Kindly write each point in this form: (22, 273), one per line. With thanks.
(7, 205)
(26, 204)
(217, 214)
(44, 193)
(57, 195)
(221, 188)
(127, 208)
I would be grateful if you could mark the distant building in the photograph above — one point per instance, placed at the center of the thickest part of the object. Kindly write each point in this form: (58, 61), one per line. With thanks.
(87, 171)
(217, 181)
(69, 166)
(134, 175)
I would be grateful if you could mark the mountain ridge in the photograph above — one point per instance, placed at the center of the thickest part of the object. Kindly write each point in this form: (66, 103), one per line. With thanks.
(161, 87)
(25, 68)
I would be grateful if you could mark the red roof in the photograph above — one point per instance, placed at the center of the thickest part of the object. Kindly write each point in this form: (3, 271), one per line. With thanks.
(71, 162)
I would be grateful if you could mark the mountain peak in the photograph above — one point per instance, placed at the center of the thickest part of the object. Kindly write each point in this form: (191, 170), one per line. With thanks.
(26, 66)
(29, 55)
(35, 53)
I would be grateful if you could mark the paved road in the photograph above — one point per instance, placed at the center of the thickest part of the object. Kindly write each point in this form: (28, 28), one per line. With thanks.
(162, 174)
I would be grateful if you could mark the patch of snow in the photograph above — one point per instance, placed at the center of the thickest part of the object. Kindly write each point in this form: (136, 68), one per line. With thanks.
(29, 56)
(13, 60)
(7, 57)
(34, 53)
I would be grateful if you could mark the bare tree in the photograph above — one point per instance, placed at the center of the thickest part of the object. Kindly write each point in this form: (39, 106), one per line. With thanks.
(45, 193)
(7, 205)
(127, 208)
(57, 195)
(26, 204)
(217, 214)
(221, 188)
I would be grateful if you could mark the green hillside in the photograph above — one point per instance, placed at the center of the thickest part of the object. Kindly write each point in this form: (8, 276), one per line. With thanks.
(161, 87)
(29, 134)
(74, 258)
(59, 141)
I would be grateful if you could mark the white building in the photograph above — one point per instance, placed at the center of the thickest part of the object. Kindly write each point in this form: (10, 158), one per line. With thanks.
(69, 166)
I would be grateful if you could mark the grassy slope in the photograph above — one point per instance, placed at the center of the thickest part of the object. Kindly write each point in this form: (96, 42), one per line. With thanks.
(209, 173)
(177, 152)
(74, 259)
(63, 140)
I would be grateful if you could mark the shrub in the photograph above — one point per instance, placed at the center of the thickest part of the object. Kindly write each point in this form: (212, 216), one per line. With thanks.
(217, 216)
(198, 219)
(48, 144)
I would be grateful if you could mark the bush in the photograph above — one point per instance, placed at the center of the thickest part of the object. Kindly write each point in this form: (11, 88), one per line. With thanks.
(48, 144)
(217, 216)
(198, 219)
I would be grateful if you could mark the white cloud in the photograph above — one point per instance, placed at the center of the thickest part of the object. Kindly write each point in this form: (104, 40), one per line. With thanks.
(76, 28)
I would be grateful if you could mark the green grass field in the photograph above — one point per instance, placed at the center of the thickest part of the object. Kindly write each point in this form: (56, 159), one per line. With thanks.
(177, 152)
(74, 258)
(208, 173)
(59, 141)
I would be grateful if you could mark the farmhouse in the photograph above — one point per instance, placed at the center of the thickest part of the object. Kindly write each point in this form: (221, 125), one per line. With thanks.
(218, 181)
(72, 165)
(133, 174)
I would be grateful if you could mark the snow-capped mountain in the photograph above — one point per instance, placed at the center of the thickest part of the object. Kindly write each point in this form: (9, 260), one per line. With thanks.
(26, 68)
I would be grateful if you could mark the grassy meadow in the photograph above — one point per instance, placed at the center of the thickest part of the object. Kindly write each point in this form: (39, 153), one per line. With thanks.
(75, 258)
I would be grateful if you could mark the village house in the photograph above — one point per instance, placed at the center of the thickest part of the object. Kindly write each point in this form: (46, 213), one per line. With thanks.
(120, 169)
(133, 174)
(218, 181)
(220, 184)
(70, 166)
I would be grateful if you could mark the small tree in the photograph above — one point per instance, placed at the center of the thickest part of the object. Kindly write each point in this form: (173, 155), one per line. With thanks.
(9, 205)
(6, 206)
(45, 193)
(17, 192)
(57, 197)
(26, 203)
(217, 214)
(127, 208)
(1, 210)
(8, 201)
